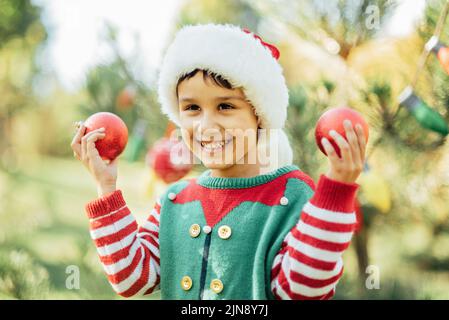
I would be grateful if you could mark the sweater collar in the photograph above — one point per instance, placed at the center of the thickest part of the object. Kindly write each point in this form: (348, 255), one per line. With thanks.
(207, 181)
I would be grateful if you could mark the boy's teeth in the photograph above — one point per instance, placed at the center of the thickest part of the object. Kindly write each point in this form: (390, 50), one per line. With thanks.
(212, 145)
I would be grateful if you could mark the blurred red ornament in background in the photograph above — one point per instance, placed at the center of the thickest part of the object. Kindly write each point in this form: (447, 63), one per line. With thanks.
(171, 160)
(443, 56)
(125, 99)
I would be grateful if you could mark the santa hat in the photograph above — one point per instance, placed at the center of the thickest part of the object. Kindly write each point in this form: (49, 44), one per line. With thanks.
(244, 60)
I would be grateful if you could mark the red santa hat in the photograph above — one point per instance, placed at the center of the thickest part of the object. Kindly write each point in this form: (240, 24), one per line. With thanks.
(245, 61)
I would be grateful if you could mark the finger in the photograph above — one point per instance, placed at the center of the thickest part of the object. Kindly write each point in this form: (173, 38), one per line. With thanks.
(91, 149)
(84, 142)
(361, 140)
(330, 151)
(78, 133)
(84, 145)
(92, 155)
(85, 138)
(76, 141)
(353, 142)
(345, 149)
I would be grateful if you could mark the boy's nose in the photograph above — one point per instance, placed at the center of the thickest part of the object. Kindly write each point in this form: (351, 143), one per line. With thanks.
(208, 120)
(208, 129)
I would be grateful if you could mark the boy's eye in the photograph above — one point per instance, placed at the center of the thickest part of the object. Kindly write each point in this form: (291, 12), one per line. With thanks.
(192, 107)
(224, 106)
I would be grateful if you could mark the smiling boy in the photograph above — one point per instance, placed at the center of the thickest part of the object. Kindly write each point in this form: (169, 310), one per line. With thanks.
(243, 229)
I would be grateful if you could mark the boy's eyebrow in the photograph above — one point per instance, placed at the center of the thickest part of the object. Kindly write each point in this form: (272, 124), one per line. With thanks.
(229, 98)
(187, 99)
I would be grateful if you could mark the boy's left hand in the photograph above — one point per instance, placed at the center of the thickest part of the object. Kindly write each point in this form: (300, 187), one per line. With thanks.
(350, 165)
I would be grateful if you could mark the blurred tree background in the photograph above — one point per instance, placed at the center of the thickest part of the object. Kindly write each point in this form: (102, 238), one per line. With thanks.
(334, 53)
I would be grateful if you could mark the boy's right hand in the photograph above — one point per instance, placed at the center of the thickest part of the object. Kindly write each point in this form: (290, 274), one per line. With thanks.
(104, 172)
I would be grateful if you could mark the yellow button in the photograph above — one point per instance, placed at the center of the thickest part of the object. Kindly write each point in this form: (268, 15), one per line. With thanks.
(186, 283)
(195, 230)
(224, 232)
(216, 285)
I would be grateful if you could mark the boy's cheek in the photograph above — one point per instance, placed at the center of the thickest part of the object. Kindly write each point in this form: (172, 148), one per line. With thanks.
(186, 122)
(186, 136)
(188, 140)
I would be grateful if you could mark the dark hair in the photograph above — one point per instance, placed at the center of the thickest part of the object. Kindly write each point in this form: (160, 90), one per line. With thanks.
(218, 79)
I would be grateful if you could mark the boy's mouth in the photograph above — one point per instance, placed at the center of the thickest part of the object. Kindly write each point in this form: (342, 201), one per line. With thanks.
(214, 146)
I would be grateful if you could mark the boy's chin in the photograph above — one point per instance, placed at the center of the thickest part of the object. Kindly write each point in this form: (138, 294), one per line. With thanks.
(215, 165)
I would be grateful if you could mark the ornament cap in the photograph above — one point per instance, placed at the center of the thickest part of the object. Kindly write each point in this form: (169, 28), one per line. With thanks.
(432, 43)
(408, 98)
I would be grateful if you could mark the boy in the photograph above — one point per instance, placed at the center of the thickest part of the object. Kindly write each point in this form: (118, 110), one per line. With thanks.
(233, 232)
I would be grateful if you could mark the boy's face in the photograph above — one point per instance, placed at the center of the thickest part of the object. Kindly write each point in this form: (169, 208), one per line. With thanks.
(218, 124)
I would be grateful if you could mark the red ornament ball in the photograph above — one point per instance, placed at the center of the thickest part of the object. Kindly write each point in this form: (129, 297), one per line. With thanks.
(171, 160)
(333, 120)
(116, 138)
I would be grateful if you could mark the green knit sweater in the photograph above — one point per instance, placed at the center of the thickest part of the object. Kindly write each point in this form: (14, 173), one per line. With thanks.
(259, 220)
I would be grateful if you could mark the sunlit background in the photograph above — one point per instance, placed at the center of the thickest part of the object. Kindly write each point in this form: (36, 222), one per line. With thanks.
(61, 61)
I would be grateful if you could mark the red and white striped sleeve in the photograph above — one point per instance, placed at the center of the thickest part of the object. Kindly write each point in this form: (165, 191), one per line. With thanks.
(309, 263)
(129, 253)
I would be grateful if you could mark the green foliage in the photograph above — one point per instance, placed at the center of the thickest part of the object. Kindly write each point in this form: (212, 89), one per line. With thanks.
(21, 277)
(21, 32)
(439, 80)
(396, 124)
(217, 11)
(307, 103)
(349, 23)
(105, 86)
(16, 17)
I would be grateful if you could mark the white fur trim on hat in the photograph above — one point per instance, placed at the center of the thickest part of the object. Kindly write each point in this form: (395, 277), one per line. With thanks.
(274, 150)
(237, 56)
